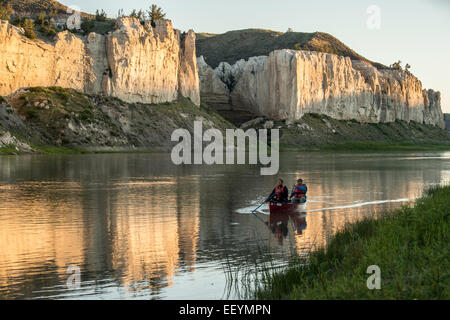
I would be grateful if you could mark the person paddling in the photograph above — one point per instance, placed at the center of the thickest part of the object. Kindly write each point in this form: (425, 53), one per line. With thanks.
(299, 191)
(280, 192)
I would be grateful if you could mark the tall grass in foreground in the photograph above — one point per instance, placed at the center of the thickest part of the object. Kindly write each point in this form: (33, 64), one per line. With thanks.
(410, 245)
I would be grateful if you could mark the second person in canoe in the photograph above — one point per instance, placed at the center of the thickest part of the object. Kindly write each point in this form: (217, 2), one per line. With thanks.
(299, 191)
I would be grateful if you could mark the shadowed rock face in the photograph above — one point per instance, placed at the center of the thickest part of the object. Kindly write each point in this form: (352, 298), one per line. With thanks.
(136, 63)
(289, 83)
(447, 121)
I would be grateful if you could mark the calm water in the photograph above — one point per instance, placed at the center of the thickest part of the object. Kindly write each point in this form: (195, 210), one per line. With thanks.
(139, 227)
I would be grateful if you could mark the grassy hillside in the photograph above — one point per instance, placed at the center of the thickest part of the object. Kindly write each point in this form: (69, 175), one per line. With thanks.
(243, 44)
(50, 118)
(409, 245)
(320, 132)
(54, 117)
(34, 7)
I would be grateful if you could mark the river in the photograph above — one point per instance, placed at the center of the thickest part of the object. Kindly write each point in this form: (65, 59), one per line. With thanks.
(138, 227)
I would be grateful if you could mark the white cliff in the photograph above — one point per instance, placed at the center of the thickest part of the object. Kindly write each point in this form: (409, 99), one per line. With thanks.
(135, 62)
(289, 83)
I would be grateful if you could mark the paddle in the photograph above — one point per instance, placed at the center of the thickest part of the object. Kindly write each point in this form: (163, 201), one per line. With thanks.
(253, 212)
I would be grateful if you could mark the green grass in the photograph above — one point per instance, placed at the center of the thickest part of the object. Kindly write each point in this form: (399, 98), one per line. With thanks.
(410, 245)
(49, 110)
(59, 150)
(66, 150)
(9, 150)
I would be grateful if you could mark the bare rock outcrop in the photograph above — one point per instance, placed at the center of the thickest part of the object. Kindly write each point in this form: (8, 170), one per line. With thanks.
(188, 80)
(26, 62)
(289, 83)
(135, 62)
(213, 90)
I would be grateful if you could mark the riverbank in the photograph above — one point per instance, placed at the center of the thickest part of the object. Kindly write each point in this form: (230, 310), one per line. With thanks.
(320, 132)
(59, 120)
(410, 245)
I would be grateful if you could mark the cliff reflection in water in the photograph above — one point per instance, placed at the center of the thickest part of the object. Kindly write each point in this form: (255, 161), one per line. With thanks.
(138, 232)
(140, 227)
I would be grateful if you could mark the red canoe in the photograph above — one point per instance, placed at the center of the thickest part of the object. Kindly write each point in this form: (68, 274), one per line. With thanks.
(276, 207)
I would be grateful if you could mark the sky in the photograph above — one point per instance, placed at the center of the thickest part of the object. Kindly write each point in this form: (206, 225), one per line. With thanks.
(416, 32)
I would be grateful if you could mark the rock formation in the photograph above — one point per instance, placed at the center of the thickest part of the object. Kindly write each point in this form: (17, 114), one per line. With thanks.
(447, 121)
(289, 83)
(213, 90)
(135, 62)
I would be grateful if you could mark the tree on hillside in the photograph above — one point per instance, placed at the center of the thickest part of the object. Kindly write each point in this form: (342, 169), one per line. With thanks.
(397, 65)
(5, 11)
(46, 24)
(120, 13)
(140, 15)
(28, 27)
(407, 67)
(155, 13)
(100, 15)
(53, 14)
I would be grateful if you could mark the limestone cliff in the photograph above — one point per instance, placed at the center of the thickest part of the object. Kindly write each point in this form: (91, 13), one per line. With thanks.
(135, 62)
(290, 83)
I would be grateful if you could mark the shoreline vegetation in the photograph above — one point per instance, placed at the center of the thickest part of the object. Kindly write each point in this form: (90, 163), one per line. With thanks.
(347, 148)
(410, 245)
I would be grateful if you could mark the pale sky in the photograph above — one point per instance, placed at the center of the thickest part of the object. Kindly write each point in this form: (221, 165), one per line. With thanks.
(414, 31)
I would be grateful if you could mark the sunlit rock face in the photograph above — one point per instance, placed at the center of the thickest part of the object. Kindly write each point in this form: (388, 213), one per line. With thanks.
(290, 83)
(188, 80)
(136, 62)
(26, 62)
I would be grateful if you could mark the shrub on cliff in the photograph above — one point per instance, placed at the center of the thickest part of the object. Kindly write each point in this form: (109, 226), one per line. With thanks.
(46, 24)
(100, 15)
(120, 14)
(407, 67)
(155, 13)
(87, 26)
(396, 65)
(5, 11)
(140, 15)
(17, 21)
(28, 27)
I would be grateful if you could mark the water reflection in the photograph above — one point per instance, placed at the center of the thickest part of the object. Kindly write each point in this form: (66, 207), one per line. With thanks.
(140, 227)
(280, 224)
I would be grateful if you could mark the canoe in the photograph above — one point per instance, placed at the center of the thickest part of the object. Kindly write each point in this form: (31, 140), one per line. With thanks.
(276, 207)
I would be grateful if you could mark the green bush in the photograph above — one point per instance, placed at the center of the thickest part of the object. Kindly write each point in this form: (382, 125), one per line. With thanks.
(5, 11)
(155, 13)
(46, 24)
(28, 26)
(87, 26)
(17, 21)
(31, 114)
(396, 65)
(100, 15)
